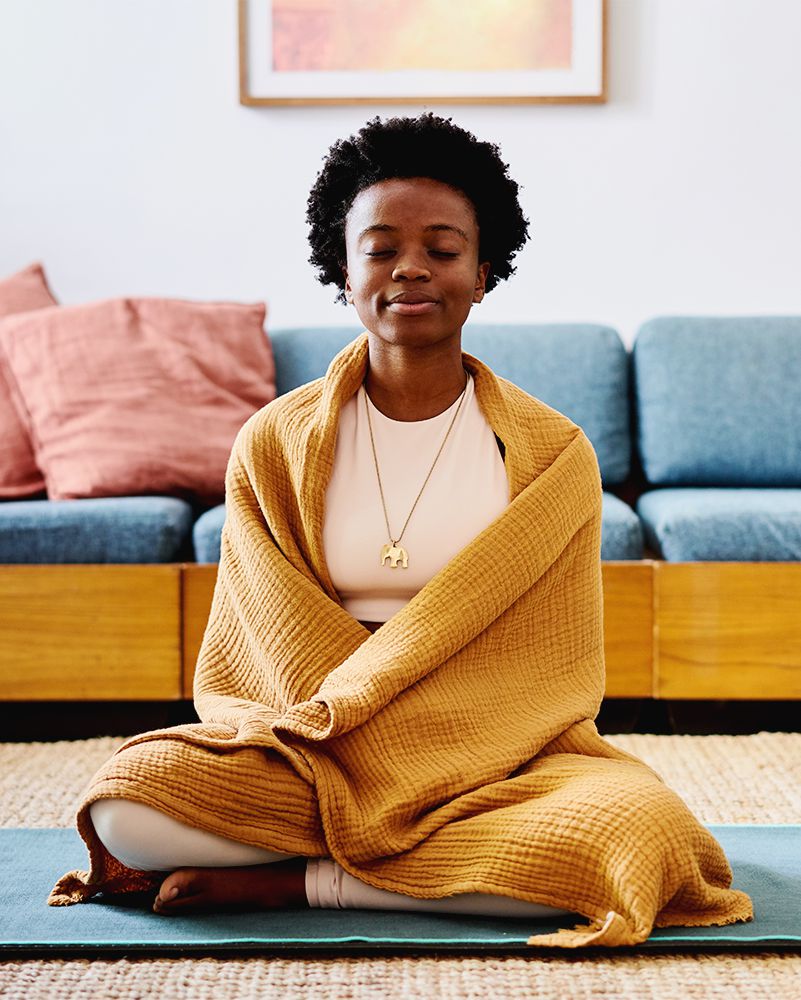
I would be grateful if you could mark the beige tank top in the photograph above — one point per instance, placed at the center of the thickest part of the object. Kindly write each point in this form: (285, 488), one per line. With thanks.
(467, 490)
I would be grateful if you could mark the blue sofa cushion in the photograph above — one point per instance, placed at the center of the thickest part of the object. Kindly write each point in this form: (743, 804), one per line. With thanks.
(718, 400)
(146, 529)
(206, 534)
(722, 525)
(621, 532)
(580, 369)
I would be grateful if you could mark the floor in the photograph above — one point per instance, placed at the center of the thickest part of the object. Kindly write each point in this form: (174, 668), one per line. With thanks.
(724, 778)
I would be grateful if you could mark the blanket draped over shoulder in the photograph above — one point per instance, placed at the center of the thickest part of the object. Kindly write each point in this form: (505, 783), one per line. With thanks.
(454, 749)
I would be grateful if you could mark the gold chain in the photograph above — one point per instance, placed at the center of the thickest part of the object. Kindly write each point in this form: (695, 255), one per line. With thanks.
(378, 474)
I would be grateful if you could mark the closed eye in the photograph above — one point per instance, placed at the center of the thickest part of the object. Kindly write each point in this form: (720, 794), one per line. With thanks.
(434, 253)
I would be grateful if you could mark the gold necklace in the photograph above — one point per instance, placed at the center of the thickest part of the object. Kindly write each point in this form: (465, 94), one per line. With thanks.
(394, 552)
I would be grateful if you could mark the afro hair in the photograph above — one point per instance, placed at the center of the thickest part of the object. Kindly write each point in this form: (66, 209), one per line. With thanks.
(426, 146)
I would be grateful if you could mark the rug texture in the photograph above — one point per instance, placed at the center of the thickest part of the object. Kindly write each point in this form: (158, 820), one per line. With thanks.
(723, 779)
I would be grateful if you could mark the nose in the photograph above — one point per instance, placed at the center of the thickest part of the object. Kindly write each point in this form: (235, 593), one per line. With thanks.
(410, 267)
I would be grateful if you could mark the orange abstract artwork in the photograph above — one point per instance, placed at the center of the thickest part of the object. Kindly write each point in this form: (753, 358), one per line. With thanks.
(480, 35)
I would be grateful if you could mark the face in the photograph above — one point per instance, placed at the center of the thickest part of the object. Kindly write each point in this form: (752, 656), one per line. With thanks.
(412, 259)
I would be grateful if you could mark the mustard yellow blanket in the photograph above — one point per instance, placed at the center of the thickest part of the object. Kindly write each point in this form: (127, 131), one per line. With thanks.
(453, 750)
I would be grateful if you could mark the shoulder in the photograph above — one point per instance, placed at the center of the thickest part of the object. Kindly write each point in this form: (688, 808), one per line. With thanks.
(524, 417)
(283, 418)
(539, 435)
(533, 410)
(530, 414)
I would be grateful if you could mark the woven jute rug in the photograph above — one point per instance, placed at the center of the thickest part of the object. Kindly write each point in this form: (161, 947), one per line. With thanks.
(723, 779)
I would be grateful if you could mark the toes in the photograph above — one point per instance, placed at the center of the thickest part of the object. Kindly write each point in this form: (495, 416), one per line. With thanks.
(178, 888)
(198, 903)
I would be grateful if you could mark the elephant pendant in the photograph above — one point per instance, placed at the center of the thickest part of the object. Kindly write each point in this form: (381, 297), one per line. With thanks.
(394, 553)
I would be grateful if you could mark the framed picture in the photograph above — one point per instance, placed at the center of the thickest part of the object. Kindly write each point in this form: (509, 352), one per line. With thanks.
(422, 51)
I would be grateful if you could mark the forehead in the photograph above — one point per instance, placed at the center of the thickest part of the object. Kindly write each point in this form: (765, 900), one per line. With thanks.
(410, 201)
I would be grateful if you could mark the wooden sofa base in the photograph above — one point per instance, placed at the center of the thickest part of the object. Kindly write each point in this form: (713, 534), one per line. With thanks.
(672, 630)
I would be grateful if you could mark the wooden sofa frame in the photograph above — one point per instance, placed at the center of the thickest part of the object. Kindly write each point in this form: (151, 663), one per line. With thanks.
(132, 632)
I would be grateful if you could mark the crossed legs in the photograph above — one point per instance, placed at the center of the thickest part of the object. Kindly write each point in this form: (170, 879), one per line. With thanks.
(229, 873)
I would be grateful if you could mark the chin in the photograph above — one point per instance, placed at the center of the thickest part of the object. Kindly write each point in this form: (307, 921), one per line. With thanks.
(423, 329)
(413, 334)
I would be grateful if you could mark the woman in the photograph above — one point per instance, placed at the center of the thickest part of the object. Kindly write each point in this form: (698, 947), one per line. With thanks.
(449, 762)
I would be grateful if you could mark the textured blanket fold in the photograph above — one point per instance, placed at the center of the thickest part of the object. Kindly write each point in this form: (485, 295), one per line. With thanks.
(453, 750)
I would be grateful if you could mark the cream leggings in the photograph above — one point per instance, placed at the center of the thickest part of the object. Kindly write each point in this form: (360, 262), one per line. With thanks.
(147, 839)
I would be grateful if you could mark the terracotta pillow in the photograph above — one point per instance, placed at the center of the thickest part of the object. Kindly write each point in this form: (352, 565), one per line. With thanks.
(20, 477)
(138, 396)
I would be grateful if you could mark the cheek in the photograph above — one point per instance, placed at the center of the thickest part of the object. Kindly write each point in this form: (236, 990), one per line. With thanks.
(466, 279)
(361, 291)
(363, 280)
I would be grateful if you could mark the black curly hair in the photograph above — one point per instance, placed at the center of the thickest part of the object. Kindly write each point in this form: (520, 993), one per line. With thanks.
(426, 146)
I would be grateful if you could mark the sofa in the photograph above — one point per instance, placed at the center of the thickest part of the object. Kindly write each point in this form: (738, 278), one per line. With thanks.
(697, 430)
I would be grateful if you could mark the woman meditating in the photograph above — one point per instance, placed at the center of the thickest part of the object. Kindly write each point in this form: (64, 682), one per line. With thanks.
(404, 655)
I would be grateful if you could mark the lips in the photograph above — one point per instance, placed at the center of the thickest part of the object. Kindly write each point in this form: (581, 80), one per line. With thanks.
(412, 303)
(412, 297)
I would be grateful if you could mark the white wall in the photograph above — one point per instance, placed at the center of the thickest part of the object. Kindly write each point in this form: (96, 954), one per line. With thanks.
(128, 166)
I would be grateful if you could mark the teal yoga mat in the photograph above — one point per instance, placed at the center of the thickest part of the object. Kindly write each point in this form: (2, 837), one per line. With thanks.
(765, 859)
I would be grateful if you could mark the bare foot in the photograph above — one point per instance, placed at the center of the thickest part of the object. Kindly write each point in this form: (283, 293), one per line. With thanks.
(210, 890)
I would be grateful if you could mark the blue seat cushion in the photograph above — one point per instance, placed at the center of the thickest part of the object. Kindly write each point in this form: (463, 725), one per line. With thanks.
(579, 369)
(722, 525)
(717, 400)
(146, 529)
(621, 533)
(206, 533)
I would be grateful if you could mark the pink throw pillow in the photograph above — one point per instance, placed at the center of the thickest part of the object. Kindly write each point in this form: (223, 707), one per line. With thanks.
(139, 396)
(20, 477)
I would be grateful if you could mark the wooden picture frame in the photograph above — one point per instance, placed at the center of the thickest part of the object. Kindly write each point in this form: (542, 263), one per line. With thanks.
(576, 40)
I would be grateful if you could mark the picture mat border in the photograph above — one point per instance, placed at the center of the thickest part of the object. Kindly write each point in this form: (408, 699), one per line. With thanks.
(587, 85)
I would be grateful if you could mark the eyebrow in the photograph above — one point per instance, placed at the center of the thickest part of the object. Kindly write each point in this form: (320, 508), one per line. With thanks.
(436, 227)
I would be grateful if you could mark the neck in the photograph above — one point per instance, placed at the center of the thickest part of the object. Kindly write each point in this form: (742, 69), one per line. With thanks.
(409, 383)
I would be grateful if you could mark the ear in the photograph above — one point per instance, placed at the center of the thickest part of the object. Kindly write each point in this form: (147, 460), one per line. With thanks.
(348, 289)
(481, 281)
